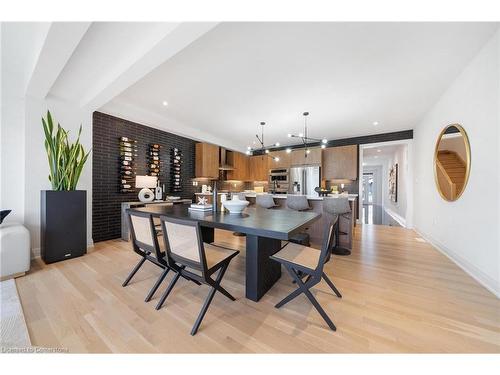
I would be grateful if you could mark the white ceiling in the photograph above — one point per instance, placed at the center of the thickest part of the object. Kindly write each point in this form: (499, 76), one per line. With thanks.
(105, 48)
(347, 75)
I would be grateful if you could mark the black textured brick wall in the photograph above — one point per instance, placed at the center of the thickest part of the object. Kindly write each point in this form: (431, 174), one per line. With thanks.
(106, 195)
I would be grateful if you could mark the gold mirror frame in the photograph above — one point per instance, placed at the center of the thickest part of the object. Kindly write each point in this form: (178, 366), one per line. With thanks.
(463, 133)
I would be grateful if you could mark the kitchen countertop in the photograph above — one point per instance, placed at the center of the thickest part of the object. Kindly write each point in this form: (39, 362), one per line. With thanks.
(351, 197)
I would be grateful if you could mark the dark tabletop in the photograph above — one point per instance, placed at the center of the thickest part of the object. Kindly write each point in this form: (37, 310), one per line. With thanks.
(278, 224)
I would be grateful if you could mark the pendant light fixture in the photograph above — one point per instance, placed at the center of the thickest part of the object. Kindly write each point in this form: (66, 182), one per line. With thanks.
(305, 137)
(263, 148)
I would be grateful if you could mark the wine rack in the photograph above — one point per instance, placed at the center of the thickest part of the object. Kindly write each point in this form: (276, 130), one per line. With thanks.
(154, 161)
(128, 153)
(176, 176)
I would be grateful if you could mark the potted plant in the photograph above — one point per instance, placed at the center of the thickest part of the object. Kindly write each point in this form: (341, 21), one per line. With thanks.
(63, 224)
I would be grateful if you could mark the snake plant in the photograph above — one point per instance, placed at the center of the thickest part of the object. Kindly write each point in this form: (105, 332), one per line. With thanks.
(66, 160)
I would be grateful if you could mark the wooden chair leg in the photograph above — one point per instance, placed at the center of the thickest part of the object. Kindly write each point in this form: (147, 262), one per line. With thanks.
(331, 285)
(136, 268)
(167, 291)
(209, 299)
(157, 284)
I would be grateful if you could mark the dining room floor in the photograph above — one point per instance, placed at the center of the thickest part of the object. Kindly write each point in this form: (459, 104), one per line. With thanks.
(399, 295)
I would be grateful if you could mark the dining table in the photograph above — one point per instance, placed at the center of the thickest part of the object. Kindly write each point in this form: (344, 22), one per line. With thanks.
(265, 229)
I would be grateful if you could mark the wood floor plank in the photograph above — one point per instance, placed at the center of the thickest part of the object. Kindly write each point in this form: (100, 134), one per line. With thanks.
(399, 295)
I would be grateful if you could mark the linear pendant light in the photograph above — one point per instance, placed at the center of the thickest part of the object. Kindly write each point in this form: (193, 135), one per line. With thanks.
(305, 138)
(263, 148)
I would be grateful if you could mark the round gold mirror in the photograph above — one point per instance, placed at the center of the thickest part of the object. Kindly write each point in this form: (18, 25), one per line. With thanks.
(452, 162)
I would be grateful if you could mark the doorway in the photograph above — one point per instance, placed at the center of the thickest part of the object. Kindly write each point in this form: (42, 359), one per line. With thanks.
(384, 185)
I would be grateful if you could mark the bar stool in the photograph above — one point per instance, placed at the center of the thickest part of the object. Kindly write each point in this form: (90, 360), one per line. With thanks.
(299, 203)
(337, 207)
(265, 200)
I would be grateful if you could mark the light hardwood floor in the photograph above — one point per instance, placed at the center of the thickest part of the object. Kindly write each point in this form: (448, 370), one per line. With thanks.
(399, 295)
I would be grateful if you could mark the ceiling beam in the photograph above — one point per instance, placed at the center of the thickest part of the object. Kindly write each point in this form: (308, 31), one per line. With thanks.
(174, 41)
(61, 40)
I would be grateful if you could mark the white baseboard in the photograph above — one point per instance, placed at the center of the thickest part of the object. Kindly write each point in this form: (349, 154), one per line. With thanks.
(485, 280)
(401, 220)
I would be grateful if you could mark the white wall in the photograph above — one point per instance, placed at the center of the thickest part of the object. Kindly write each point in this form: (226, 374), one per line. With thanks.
(400, 156)
(466, 230)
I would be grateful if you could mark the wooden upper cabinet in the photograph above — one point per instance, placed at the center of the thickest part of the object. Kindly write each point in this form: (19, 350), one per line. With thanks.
(340, 163)
(299, 157)
(239, 162)
(207, 160)
(259, 168)
(283, 162)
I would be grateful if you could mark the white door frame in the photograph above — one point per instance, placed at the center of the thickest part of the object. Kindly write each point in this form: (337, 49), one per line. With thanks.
(409, 187)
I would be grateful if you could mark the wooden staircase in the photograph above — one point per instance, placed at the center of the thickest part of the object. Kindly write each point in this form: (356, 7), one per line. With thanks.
(451, 173)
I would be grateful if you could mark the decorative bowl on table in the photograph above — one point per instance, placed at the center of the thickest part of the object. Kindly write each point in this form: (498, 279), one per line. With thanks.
(235, 206)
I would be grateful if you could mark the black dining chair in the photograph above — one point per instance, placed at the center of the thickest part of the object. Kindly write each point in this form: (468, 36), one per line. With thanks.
(145, 243)
(301, 261)
(190, 257)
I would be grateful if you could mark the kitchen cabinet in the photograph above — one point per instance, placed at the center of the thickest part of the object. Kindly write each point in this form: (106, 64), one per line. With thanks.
(239, 162)
(340, 163)
(298, 157)
(207, 160)
(283, 162)
(259, 168)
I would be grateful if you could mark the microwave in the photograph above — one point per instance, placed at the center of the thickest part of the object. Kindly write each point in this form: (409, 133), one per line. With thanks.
(278, 180)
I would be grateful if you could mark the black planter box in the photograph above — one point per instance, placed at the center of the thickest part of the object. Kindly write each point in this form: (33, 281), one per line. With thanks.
(63, 224)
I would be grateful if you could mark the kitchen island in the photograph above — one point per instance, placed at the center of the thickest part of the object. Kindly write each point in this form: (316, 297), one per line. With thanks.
(347, 225)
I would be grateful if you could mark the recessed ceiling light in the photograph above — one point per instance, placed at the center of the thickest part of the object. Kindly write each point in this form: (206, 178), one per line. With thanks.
(324, 140)
(277, 144)
(301, 134)
(289, 135)
(375, 123)
(165, 103)
(249, 148)
(288, 150)
(379, 150)
(364, 163)
(248, 152)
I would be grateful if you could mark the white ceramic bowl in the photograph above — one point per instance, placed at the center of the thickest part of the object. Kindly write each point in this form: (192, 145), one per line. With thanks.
(235, 206)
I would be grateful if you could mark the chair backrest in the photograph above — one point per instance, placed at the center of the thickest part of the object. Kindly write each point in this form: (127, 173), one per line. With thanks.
(265, 200)
(183, 242)
(327, 245)
(297, 202)
(336, 206)
(143, 233)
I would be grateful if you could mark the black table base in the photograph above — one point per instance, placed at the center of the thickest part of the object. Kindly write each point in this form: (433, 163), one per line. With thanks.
(261, 272)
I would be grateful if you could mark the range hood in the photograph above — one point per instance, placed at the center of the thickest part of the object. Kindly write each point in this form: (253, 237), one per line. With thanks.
(223, 165)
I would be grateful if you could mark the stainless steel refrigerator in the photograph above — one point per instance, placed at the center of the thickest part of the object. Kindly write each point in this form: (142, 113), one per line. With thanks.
(305, 178)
